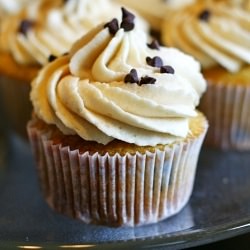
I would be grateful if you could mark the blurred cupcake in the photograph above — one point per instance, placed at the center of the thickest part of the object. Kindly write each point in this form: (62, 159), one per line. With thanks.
(154, 11)
(217, 34)
(115, 131)
(38, 34)
(9, 8)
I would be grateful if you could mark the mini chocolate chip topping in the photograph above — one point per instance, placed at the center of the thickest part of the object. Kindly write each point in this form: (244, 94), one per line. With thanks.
(127, 25)
(25, 26)
(154, 62)
(132, 77)
(147, 80)
(154, 45)
(127, 14)
(113, 26)
(205, 15)
(127, 20)
(167, 69)
(51, 58)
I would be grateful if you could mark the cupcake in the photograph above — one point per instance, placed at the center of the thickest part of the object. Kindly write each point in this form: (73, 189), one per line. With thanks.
(114, 130)
(217, 34)
(154, 11)
(42, 31)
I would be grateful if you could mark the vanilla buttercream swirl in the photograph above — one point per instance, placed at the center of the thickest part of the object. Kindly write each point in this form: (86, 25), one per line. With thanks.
(214, 33)
(54, 31)
(84, 92)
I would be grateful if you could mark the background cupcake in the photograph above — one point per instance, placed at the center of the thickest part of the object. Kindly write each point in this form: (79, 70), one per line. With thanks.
(217, 34)
(41, 32)
(115, 131)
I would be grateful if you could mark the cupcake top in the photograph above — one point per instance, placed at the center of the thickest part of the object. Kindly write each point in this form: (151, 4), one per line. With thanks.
(155, 10)
(113, 84)
(49, 28)
(214, 33)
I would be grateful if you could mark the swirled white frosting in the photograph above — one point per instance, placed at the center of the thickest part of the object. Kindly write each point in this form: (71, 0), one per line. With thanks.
(223, 38)
(84, 92)
(54, 30)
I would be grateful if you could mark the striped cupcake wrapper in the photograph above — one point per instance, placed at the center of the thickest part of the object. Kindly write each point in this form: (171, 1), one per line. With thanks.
(116, 190)
(227, 110)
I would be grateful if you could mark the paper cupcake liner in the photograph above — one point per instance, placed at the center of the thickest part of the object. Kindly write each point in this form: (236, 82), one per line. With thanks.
(227, 110)
(16, 103)
(115, 190)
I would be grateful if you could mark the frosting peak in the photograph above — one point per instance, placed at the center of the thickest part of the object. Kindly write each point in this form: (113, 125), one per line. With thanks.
(112, 85)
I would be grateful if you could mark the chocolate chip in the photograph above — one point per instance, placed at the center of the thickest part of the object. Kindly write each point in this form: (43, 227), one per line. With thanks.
(113, 26)
(167, 69)
(127, 20)
(51, 58)
(25, 26)
(154, 45)
(147, 80)
(154, 62)
(204, 15)
(127, 24)
(126, 14)
(132, 77)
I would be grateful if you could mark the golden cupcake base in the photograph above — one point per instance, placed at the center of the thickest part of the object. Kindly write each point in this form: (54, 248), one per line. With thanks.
(115, 189)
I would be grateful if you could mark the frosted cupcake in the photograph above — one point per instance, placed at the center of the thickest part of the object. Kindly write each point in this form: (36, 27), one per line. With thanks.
(217, 35)
(115, 131)
(38, 34)
(154, 11)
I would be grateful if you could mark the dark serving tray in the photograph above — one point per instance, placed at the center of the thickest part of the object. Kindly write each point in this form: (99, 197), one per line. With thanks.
(219, 208)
